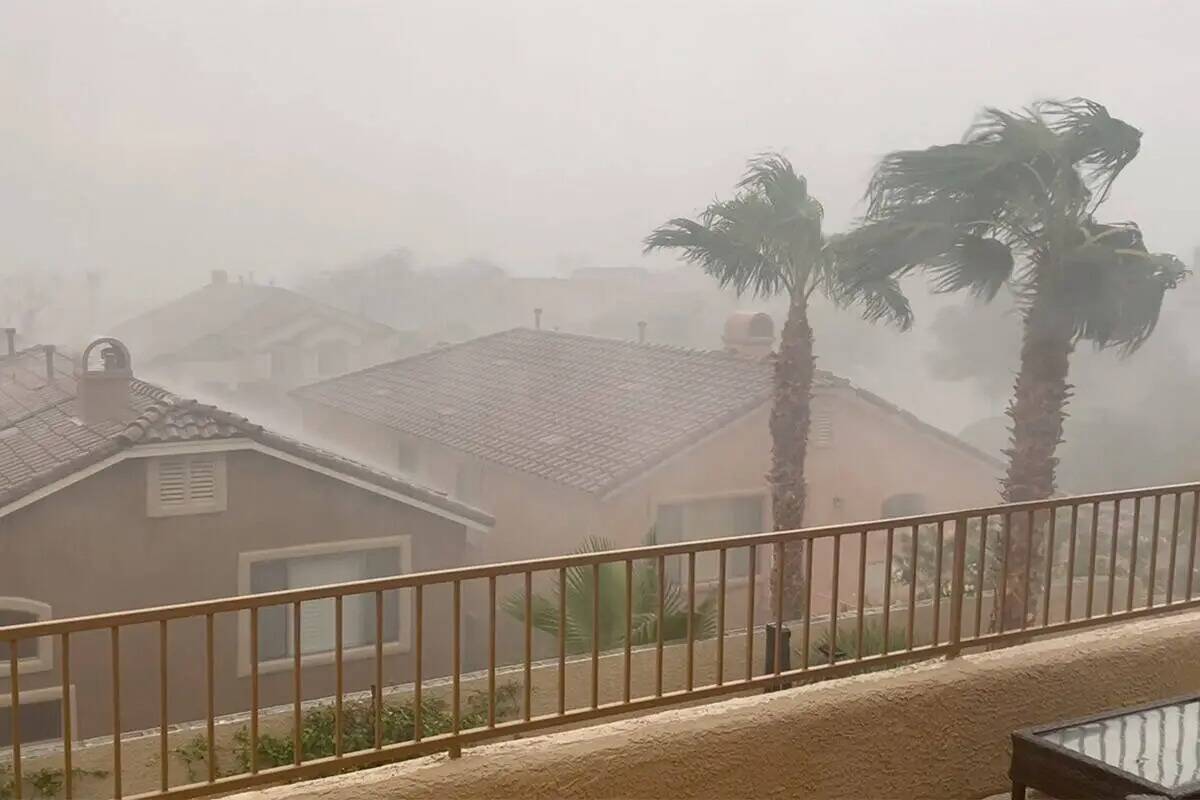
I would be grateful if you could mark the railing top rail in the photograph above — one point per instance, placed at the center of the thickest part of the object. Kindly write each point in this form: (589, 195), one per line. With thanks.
(449, 576)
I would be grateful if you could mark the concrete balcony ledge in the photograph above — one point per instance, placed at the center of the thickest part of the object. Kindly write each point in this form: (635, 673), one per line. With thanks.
(935, 730)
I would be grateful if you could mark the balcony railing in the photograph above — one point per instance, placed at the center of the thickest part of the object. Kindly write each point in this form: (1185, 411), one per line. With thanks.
(983, 577)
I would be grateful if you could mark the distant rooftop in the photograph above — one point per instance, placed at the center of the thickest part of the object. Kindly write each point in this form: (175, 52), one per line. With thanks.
(218, 316)
(587, 412)
(44, 439)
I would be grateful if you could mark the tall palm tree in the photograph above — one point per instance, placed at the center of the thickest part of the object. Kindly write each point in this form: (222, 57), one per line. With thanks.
(1015, 204)
(767, 241)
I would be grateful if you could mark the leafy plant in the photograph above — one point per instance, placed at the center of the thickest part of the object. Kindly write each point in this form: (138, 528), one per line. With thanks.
(47, 782)
(582, 587)
(397, 720)
(846, 646)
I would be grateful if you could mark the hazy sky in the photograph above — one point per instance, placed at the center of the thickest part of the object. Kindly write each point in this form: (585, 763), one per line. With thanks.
(171, 137)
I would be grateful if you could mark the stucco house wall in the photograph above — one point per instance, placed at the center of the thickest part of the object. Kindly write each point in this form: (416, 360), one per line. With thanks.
(91, 547)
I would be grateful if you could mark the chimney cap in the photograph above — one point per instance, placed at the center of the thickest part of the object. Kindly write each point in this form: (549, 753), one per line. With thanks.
(749, 333)
(114, 357)
(537, 319)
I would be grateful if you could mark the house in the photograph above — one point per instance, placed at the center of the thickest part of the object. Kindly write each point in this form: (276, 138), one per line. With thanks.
(563, 436)
(249, 342)
(116, 494)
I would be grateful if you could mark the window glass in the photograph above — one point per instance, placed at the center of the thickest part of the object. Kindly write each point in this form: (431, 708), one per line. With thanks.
(276, 638)
(714, 518)
(26, 648)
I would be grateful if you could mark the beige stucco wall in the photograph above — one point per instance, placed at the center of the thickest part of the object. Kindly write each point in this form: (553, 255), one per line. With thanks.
(930, 731)
(91, 548)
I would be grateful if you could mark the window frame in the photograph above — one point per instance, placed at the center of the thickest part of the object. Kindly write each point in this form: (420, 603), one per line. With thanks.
(403, 643)
(44, 660)
(220, 502)
(49, 693)
(738, 494)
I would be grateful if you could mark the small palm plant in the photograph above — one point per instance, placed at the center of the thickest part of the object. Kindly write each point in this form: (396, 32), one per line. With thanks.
(581, 589)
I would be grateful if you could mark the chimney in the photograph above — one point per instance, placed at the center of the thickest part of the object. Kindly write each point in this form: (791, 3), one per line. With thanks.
(219, 277)
(641, 332)
(49, 349)
(537, 319)
(749, 334)
(104, 387)
(11, 335)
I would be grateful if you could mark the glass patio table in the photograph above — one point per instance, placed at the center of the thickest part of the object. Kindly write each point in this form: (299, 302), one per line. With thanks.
(1147, 751)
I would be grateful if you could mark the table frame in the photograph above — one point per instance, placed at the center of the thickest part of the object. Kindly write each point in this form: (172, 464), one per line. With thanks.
(1067, 774)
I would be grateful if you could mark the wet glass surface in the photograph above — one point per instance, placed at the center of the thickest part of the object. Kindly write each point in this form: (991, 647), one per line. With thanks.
(1161, 744)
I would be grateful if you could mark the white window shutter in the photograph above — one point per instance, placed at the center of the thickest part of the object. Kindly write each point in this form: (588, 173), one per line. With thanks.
(186, 484)
(202, 480)
(172, 483)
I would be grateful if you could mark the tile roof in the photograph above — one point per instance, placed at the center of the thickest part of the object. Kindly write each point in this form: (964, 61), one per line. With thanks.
(583, 411)
(43, 439)
(223, 314)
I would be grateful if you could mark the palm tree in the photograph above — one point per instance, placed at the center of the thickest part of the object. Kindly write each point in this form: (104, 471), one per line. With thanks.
(611, 616)
(767, 241)
(1015, 204)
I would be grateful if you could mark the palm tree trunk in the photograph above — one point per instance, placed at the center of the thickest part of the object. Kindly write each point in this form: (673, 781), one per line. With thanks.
(1037, 410)
(794, 370)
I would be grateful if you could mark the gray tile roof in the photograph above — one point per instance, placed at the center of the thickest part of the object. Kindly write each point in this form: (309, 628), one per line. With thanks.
(43, 439)
(218, 317)
(583, 411)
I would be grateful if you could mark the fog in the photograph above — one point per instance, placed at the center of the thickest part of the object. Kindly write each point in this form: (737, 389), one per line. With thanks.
(151, 142)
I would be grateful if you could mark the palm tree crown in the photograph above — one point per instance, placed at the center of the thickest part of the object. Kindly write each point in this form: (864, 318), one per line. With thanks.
(1014, 204)
(768, 241)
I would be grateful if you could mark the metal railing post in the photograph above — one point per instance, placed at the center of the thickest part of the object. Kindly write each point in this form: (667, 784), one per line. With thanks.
(958, 585)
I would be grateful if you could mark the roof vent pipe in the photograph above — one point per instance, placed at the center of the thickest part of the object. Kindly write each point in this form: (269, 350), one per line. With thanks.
(537, 319)
(11, 335)
(49, 350)
(641, 332)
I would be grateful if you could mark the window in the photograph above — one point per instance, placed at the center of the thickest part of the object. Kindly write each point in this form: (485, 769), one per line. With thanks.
(41, 716)
(333, 358)
(468, 483)
(318, 565)
(712, 518)
(192, 484)
(909, 504)
(33, 655)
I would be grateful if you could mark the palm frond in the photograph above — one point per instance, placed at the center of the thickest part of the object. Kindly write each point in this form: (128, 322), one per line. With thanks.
(765, 240)
(1113, 288)
(977, 264)
(1090, 136)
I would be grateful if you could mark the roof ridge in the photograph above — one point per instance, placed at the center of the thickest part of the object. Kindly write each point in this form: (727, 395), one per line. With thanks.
(413, 358)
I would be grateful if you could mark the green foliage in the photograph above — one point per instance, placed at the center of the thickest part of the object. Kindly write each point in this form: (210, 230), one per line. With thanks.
(847, 642)
(767, 240)
(319, 726)
(581, 584)
(47, 782)
(1014, 204)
